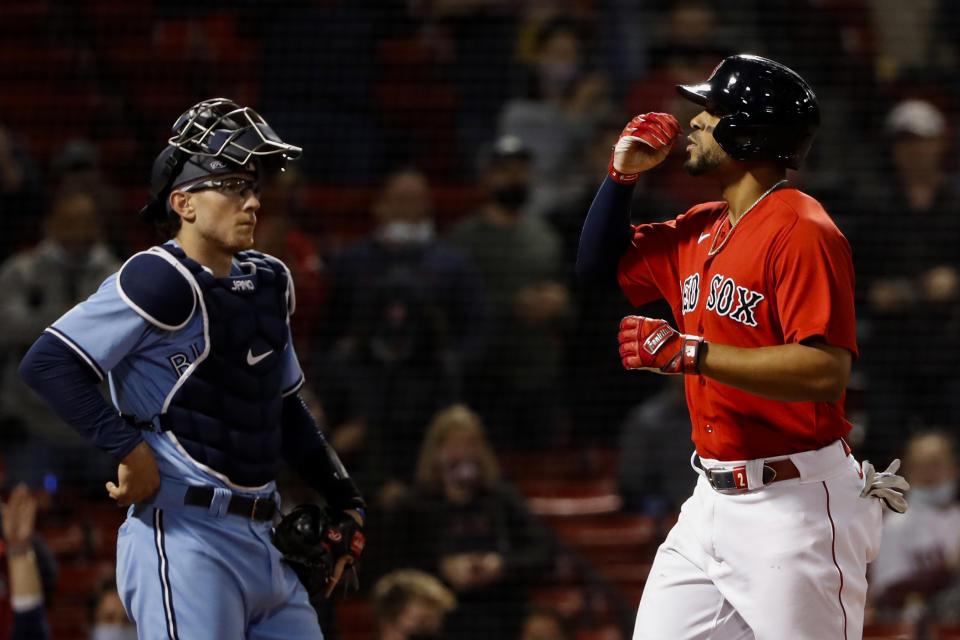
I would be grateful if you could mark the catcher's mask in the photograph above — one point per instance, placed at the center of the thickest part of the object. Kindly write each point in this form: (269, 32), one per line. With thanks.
(214, 137)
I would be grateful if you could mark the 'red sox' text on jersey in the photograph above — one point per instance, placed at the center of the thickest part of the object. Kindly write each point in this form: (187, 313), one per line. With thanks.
(783, 274)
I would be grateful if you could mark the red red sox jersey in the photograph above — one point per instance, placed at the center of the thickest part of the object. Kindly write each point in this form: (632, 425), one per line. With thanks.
(782, 275)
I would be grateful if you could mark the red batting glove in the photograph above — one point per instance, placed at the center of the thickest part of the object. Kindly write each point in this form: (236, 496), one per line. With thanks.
(643, 144)
(651, 343)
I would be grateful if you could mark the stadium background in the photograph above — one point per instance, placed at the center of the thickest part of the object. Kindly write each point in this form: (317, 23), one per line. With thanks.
(91, 87)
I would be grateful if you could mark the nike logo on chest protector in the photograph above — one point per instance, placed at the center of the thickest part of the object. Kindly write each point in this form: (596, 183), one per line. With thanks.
(253, 360)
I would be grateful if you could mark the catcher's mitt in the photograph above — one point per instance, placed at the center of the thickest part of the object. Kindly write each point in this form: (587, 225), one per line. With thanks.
(313, 539)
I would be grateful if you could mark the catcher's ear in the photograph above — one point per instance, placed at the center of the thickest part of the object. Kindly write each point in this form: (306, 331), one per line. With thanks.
(182, 205)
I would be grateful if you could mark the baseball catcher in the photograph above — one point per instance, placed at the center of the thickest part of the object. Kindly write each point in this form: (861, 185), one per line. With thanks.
(194, 336)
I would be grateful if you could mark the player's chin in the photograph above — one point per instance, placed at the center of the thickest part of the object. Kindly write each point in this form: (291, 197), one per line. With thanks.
(698, 165)
(242, 238)
(691, 166)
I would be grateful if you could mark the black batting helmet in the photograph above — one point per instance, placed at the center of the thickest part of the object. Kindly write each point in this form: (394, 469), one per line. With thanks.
(213, 137)
(767, 110)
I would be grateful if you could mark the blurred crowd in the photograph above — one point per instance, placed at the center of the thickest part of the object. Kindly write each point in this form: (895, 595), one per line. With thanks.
(440, 332)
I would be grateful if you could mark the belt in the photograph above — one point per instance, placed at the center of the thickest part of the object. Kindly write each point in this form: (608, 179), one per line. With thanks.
(261, 509)
(734, 479)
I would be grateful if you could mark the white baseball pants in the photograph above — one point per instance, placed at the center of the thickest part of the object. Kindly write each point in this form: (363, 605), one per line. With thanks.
(788, 560)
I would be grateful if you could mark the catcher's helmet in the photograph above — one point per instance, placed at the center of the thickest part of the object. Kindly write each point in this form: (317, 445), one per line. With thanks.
(214, 137)
(767, 110)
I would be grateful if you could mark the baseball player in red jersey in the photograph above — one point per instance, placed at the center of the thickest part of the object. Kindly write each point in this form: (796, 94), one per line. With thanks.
(775, 540)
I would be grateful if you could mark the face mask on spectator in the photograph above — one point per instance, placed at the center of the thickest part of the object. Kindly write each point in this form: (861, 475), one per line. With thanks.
(114, 632)
(559, 76)
(463, 473)
(936, 496)
(512, 196)
(399, 232)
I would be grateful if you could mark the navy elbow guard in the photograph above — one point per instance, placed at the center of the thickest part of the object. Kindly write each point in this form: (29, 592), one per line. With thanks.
(314, 459)
(338, 487)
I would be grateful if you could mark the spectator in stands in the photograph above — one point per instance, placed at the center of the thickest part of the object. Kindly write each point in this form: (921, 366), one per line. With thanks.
(911, 40)
(655, 448)
(405, 242)
(908, 272)
(76, 167)
(545, 623)
(407, 315)
(21, 195)
(462, 524)
(556, 117)
(920, 551)
(521, 259)
(108, 618)
(38, 286)
(411, 605)
(29, 569)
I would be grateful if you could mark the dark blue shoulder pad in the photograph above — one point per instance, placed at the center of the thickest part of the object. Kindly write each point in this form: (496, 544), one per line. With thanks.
(158, 288)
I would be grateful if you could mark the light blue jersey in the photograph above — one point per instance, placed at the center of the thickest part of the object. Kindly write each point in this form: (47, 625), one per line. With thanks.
(143, 364)
(186, 571)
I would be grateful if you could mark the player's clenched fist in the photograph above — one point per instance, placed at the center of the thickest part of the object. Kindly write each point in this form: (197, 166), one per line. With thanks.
(651, 343)
(643, 144)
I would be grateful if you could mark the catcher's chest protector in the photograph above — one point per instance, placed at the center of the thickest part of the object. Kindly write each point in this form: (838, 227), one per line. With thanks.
(226, 413)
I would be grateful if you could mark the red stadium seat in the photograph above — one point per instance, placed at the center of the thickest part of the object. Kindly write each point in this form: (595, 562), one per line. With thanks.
(68, 620)
(945, 632)
(76, 580)
(606, 632)
(628, 577)
(612, 530)
(560, 463)
(558, 497)
(356, 620)
(610, 539)
(570, 601)
(889, 631)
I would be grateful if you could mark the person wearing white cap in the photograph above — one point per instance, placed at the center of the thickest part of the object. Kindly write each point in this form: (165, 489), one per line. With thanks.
(908, 267)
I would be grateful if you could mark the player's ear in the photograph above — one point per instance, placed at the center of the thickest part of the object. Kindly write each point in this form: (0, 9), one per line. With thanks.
(181, 204)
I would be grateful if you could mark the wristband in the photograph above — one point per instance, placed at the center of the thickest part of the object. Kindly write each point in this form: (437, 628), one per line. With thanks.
(619, 176)
(691, 354)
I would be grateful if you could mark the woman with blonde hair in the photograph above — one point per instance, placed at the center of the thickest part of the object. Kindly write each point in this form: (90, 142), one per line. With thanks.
(460, 431)
(461, 523)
